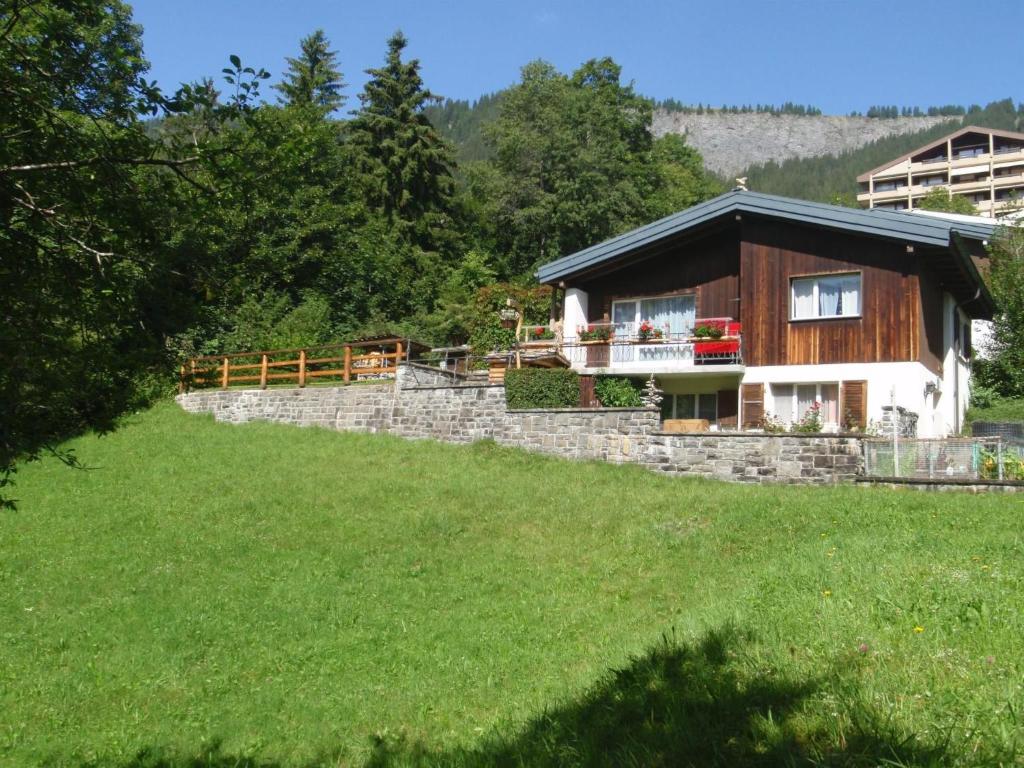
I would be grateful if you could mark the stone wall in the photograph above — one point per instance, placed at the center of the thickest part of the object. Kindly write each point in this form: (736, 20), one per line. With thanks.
(758, 458)
(424, 403)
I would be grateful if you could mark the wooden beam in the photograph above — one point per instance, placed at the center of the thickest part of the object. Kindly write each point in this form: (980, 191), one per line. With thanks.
(263, 372)
(302, 367)
(347, 370)
(224, 375)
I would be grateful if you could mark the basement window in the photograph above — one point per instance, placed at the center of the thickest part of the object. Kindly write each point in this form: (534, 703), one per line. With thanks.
(825, 296)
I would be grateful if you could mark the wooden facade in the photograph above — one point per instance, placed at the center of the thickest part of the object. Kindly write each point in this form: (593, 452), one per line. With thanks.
(744, 271)
(709, 268)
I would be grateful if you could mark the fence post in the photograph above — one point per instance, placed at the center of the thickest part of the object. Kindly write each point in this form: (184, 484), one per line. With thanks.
(224, 375)
(302, 367)
(181, 380)
(346, 374)
(999, 457)
(263, 372)
(398, 354)
(895, 437)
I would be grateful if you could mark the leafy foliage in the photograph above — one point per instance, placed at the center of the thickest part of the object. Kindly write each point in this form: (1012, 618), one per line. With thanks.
(1004, 371)
(939, 199)
(618, 392)
(542, 388)
(89, 293)
(574, 163)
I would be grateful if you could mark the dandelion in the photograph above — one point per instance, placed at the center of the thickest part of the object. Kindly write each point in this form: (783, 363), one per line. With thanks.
(826, 593)
(984, 567)
(918, 629)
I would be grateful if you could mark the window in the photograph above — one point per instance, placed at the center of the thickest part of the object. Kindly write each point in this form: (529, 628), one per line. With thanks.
(791, 402)
(674, 313)
(825, 296)
(703, 406)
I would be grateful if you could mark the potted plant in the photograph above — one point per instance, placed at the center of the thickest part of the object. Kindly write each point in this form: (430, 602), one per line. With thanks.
(598, 333)
(596, 338)
(539, 333)
(647, 332)
(709, 330)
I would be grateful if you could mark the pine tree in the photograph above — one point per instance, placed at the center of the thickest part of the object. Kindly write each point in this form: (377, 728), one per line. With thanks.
(406, 164)
(313, 77)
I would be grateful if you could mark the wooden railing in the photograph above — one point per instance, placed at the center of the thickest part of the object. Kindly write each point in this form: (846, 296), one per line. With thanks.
(347, 362)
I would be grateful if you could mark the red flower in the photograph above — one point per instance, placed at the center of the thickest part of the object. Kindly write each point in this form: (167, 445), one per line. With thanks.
(539, 330)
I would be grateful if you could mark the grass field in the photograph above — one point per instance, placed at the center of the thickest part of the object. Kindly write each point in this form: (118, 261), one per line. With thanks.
(214, 595)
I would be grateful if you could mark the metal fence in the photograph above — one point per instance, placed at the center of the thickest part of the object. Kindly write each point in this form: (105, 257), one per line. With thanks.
(960, 458)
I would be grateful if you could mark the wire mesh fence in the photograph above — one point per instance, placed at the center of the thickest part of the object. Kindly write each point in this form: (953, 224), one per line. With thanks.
(959, 458)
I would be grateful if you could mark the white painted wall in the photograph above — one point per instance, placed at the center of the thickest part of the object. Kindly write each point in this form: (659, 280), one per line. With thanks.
(575, 312)
(909, 380)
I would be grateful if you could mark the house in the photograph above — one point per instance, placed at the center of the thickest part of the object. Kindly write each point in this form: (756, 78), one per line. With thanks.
(751, 306)
(982, 165)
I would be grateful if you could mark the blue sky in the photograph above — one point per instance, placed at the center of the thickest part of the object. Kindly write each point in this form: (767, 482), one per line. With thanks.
(839, 55)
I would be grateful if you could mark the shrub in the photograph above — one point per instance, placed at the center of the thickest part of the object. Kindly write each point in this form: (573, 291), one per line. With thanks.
(811, 421)
(542, 388)
(617, 392)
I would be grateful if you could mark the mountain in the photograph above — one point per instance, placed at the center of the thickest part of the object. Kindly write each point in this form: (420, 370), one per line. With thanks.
(730, 142)
(785, 152)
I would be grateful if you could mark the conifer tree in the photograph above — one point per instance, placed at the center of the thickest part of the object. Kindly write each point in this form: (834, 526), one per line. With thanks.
(313, 77)
(405, 162)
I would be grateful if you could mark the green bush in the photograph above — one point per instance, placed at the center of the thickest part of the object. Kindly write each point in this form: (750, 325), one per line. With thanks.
(542, 388)
(617, 392)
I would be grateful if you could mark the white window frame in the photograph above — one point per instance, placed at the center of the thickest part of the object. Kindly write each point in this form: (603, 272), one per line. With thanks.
(814, 279)
(827, 426)
(636, 301)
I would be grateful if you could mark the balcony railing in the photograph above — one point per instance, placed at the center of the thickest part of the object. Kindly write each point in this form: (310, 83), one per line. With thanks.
(625, 347)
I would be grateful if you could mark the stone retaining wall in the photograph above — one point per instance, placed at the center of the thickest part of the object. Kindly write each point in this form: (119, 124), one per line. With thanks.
(425, 403)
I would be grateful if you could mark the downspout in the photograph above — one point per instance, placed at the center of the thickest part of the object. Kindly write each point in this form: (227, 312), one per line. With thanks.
(957, 426)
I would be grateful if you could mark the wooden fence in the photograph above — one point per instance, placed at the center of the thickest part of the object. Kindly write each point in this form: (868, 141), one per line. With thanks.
(351, 361)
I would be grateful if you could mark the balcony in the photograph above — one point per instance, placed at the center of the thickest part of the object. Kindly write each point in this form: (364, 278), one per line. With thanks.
(713, 345)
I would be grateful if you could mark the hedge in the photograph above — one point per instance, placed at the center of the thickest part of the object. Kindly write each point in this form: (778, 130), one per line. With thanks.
(542, 388)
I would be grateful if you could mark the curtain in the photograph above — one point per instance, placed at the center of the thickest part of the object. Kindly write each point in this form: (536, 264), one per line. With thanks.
(806, 395)
(830, 403)
(803, 298)
(829, 290)
(624, 317)
(851, 295)
(783, 402)
(676, 314)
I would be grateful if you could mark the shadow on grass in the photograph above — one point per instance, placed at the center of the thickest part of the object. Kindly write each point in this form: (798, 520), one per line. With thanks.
(677, 705)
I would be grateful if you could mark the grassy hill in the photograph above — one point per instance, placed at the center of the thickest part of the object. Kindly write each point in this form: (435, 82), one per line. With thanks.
(214, 595)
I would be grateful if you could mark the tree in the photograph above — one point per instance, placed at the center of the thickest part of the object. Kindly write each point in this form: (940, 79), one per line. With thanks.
(406, 165)
(84, 192)
(939, 199)
(1004, 370)
(574, 163)
(313, 77)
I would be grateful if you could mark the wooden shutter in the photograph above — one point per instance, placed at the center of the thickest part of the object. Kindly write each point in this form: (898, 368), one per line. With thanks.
(853, 404)
(752, 396)
(728, 406)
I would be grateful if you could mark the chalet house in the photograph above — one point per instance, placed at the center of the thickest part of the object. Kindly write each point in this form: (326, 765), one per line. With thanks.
(751, 306)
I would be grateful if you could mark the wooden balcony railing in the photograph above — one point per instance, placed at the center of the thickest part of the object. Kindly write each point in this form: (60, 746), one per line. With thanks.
(348, 362)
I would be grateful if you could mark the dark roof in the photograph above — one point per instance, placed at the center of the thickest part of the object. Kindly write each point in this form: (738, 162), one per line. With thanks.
(891, 225)
(939, 142)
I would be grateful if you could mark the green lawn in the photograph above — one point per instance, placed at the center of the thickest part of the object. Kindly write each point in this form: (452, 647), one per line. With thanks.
(215, 595)
(1003, 409)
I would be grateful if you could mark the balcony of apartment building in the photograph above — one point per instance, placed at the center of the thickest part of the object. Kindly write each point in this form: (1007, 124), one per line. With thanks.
(1007, 151)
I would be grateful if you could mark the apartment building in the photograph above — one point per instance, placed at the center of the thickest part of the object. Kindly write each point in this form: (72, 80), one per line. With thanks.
(984, 166)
